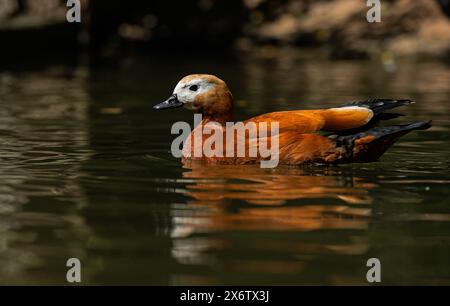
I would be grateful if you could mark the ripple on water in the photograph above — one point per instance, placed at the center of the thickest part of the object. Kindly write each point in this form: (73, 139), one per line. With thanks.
(85, 171)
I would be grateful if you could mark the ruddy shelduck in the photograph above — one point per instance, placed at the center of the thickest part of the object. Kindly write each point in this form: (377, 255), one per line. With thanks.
(341, 134)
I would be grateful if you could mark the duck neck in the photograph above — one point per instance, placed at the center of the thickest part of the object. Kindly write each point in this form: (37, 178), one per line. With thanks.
(220, 118)
(218, 106)
(223, 114)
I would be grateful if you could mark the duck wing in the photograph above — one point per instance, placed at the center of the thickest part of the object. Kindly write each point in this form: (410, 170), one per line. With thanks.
(346, 117)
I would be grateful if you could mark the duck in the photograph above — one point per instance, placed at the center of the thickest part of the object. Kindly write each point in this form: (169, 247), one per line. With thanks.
(348, 133)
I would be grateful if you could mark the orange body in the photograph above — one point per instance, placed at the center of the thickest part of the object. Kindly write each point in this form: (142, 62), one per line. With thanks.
(297, 138)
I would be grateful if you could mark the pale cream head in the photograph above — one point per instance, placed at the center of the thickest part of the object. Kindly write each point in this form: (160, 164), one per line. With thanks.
(203, 93)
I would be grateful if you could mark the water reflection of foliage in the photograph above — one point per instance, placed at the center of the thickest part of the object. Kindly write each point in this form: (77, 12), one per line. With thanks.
(37, 167)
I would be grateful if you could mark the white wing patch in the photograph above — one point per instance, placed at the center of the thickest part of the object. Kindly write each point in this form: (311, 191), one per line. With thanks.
(346, 109)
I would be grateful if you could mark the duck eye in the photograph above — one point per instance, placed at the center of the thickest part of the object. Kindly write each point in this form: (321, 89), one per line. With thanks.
(193, 87)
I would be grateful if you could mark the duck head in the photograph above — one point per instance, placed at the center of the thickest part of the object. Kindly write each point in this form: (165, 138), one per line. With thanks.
(201, 93)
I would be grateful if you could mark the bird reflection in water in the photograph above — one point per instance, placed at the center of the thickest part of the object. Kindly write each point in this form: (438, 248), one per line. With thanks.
(230, 199)
(249, 197)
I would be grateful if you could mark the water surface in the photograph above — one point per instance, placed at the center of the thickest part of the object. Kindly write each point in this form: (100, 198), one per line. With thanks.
(86, 172)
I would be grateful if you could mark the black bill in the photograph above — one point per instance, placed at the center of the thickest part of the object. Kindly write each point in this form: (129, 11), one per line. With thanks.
(172, 102)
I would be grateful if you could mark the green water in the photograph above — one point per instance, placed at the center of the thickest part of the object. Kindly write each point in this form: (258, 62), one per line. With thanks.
(86, 172)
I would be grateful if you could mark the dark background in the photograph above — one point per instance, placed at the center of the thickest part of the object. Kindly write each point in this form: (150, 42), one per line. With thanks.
(37, 30)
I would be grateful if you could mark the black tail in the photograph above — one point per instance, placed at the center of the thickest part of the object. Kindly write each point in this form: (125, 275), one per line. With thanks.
(379, 106)
(369, 145)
